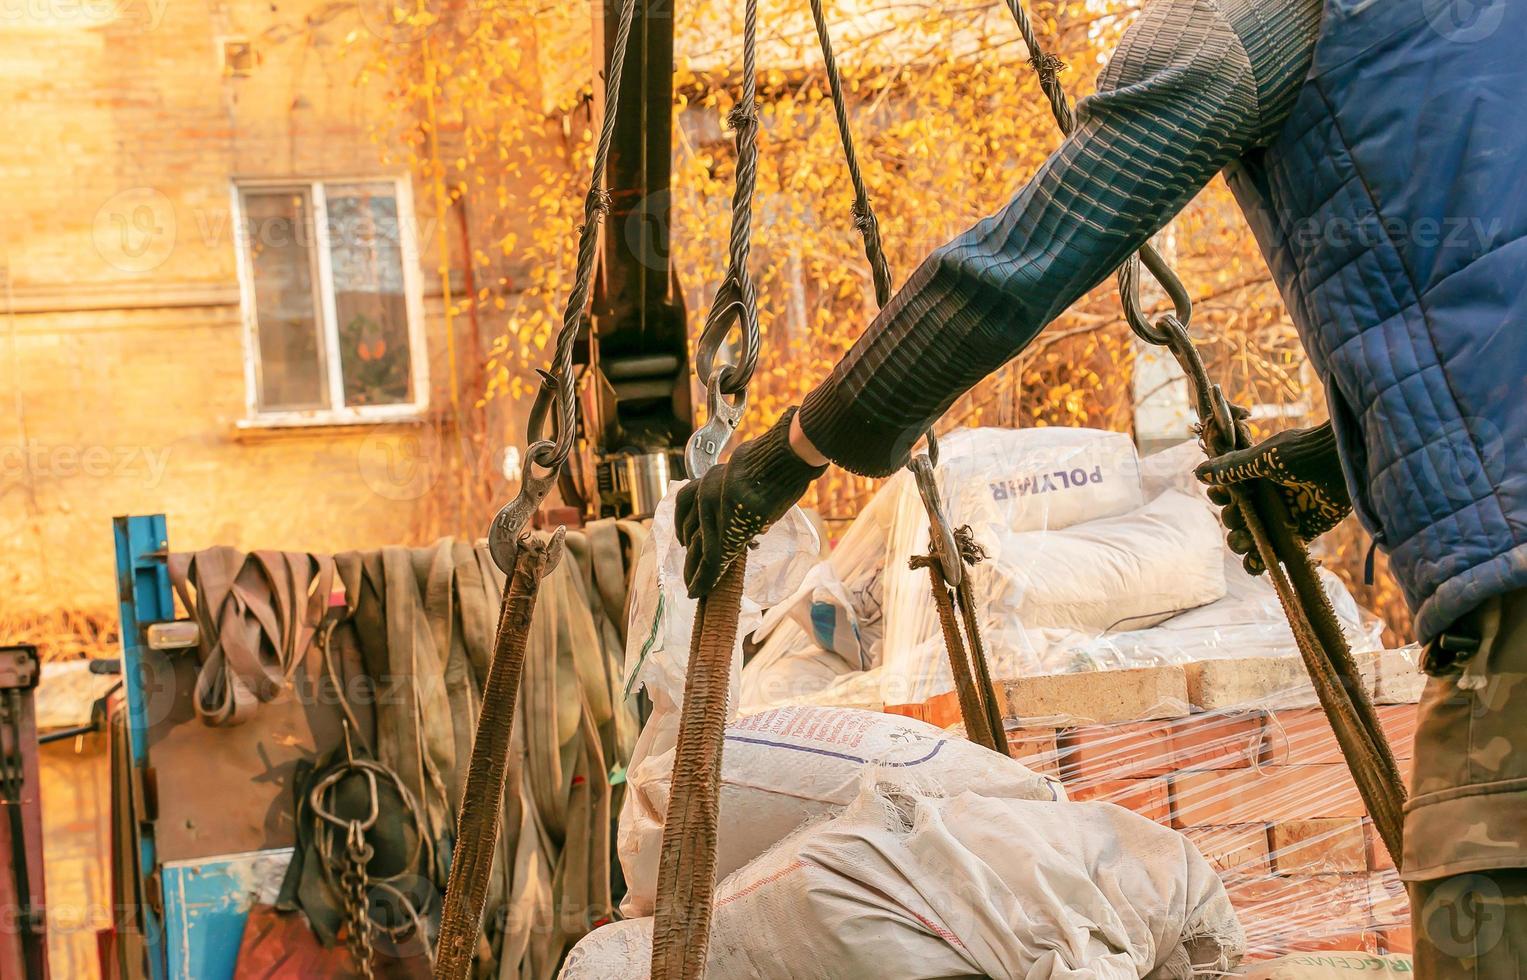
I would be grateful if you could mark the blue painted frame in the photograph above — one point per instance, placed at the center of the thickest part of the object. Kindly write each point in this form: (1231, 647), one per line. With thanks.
(206, 903)
(143, 597)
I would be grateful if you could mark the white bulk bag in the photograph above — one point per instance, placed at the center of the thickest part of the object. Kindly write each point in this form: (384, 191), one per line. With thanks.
(1126, 572)
(907, 886)
(838, 604)
(784, 767)
(788, 668)
(992, 479)
(661, 616)
(1000, 482)
(617, 950)
(1032, 479)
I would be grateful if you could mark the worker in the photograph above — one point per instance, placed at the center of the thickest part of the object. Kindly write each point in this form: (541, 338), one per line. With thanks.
(1377, 150)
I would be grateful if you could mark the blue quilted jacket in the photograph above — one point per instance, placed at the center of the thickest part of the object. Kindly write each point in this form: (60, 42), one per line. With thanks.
(1393, 212)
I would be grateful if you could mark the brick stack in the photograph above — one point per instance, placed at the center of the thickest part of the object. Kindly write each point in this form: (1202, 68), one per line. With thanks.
(1253, 776)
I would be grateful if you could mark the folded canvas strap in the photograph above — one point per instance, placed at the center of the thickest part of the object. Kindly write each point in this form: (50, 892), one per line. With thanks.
(257, 615)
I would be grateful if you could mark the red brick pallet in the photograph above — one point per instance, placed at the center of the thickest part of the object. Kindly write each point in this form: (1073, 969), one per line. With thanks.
(1263, 793)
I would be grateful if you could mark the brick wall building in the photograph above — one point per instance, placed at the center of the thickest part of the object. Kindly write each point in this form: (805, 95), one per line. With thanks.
(175, 334)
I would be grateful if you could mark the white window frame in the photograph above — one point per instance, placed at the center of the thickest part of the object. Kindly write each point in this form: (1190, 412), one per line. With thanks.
(337, 413)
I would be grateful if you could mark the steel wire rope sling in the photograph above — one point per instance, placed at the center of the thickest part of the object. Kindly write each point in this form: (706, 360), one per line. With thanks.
(686, 872)
(1338, 682)
(951, 549)
(525, 561)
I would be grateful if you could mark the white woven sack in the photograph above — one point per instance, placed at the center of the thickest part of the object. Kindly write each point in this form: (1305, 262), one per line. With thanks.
(908, 886)
(787, 766)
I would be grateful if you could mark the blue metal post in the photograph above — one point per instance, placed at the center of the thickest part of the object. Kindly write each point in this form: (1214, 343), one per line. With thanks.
(144, 597)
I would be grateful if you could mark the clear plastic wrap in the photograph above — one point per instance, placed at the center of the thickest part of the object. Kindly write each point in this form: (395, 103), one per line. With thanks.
(662, 614)
(1259, 785)
(1095, 561)
(1003, 483)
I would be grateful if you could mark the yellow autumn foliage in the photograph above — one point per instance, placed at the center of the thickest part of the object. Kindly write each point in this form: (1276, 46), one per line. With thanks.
(949, 123)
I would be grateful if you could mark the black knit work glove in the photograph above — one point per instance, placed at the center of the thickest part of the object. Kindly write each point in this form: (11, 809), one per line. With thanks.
(1302, 464)
(720, 513)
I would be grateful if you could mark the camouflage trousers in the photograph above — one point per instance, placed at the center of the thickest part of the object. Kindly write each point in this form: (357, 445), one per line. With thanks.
(1470, 926)
(1466, 821)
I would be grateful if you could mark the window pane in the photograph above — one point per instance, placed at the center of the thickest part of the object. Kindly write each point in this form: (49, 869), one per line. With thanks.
(371, 311)
(278, 227)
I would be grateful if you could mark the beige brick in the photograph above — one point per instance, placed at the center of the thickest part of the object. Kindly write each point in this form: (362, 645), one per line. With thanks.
(1100, 697)
(1214, 684)
(1253, 682)
(1398, 679)
(1320, 846)
(1237, 850)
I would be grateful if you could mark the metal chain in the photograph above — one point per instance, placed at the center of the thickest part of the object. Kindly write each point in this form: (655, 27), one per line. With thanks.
(735, 306)
(356, 887)
(347, 869)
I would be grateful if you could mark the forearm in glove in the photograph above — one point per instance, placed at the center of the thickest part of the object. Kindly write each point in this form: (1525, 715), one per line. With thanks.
(720, 513)
(1304, 467)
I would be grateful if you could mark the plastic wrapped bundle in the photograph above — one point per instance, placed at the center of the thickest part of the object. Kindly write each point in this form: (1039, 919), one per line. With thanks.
(1237, 755)
(999, 482)
(1126, 571)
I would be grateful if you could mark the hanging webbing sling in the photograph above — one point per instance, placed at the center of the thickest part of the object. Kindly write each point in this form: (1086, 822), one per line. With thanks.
(979, 708)
(687, 864)
(1322, 645)
(525, 561)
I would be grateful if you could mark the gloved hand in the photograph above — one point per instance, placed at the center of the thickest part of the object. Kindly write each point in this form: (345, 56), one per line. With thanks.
(718, 514)
(1302, 464)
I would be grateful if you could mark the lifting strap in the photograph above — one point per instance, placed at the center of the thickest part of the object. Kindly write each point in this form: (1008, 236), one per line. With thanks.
(979, 707)
(525, 561)
(687, 863)
(477, 824)
(257, 615)
(1322, 645)
(686, 871)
